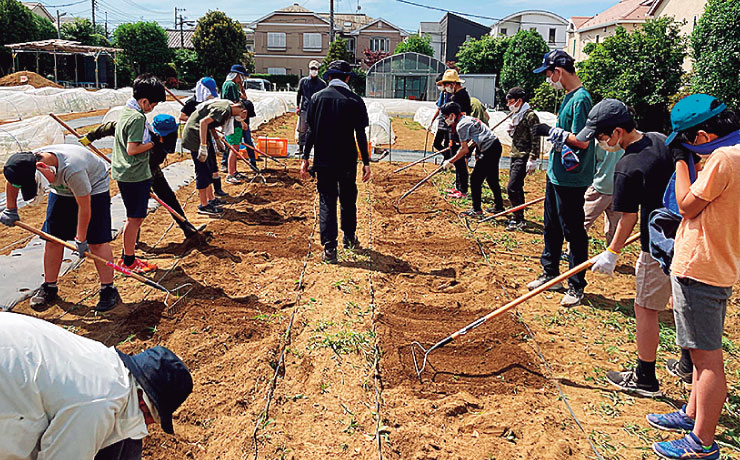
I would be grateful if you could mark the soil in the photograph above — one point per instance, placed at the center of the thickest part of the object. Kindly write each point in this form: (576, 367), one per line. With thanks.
(283, 127)
(34, 79)
(348, 374)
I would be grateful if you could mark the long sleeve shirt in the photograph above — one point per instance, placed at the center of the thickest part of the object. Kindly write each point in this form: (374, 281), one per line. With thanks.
(307, 87)
(62, 396)
(525, 140)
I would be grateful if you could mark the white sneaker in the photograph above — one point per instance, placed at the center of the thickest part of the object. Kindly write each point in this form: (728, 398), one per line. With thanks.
(544, 278)
(572, 298)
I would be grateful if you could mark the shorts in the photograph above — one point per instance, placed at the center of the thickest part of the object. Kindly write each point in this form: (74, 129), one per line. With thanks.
(699, 311)
(135, 197)
(653, 285)
(61, 218)
(204, 171)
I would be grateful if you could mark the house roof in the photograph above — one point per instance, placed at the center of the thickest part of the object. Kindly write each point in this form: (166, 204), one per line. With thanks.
(554, 16)
(626, 11)
(367, 26)
(35, 5)
(578, 21)
(352, 21)
(173, 38)
(294, 8)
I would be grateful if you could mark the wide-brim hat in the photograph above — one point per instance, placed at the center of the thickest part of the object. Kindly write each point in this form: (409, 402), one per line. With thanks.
(210, 83)
(451, 76)
(164, 378)
(338, 68)
(240, 69)
(20, 171)
(691, 111)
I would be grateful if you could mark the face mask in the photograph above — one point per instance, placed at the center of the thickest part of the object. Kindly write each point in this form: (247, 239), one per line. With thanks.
(313, 72)
(610, 148)
(41, 185)
(441, 89)
(514, 108)
(556, 85)
(450, 120)
(450, 89)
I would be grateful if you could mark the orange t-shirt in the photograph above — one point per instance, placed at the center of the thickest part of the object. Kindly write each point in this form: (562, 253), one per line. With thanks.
(707, 247)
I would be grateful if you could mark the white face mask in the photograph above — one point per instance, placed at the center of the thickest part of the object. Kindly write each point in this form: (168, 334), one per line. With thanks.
(41, 184)
(450, 89)
(556, 85)
(514, 108)
(609, 148)
(450, 120)
(313, 72)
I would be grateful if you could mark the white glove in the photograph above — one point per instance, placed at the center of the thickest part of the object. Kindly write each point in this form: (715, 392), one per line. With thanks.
(605, 263)
(558, 136)
(203, 153)
(532, 165)
(447, 165)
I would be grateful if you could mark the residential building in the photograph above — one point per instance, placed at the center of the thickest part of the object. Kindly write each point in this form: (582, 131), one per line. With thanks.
(551, 27)
(434, 31)
(379, 35)
(629, 14)
(686, 11)
(39, 10)
(455, 31)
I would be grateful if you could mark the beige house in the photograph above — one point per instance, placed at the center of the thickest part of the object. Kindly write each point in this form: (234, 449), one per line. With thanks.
(379, 35)
(39, 10)
(687, 11)
(629, 14)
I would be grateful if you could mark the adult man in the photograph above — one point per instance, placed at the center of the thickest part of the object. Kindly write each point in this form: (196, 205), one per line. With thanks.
(525, 148)
(337, 119)
(68, 397)
(307, 87)
(453, 85)
(640, 179)
(78, 209)
(569, 173)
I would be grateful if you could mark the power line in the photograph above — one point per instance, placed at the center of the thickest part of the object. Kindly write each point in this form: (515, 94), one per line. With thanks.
(429, 7)
(62, 6)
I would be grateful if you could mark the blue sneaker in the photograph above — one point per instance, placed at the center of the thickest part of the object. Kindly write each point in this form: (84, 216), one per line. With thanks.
(675, 421)
(687, 448)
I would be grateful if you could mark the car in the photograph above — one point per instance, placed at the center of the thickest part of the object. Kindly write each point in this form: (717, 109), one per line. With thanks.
(259, 84)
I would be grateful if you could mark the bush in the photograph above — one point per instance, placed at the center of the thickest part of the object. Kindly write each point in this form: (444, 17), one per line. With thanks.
(188, 66)
(523, 55)
(18, 24)
(144, 47)
(483, 55)
(282, 81)
(417, 44)
(220, 43)
(546, 99)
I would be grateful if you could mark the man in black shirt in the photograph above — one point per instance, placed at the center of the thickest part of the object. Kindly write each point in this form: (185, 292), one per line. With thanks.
(337, 119)
(307, 87)
(453, 86)
(640, 179)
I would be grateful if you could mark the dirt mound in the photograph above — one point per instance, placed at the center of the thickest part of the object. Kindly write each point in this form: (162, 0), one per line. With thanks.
(34, 79)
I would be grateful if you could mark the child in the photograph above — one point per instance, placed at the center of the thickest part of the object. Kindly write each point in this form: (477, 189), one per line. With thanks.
(525, 146)
(130, 164)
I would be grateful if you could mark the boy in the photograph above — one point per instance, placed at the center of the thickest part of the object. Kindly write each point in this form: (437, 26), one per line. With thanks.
(130, 164)
(198, 137)
(706, 263)
(599, 195)
(457, 93)
(233, 90)
(525, 146)
(78, 209)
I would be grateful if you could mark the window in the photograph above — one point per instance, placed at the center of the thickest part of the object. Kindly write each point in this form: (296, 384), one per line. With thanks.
(503, 31)
(276, 71)
(276, 40)
(351, 45)
(604, 29)
(551, 38)
(597, 39)
(311, 42)
(379, 44)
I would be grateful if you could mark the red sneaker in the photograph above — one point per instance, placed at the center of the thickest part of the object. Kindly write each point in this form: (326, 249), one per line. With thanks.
(139, 266)
(457, 195)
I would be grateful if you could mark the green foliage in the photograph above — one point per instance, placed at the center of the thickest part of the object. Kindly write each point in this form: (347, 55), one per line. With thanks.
(282, 81)
(417, 44)
(546, 99)
(483, 55)
(220, 43)
(187, 65)
(144, 47)
(44, 28)
(357, 83)
(81, 30)
(715, 48)
(18, 24)
(337, 51)
(523, 55)
(641, 68)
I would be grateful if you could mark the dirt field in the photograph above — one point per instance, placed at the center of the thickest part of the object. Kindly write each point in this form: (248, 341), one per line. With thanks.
(347, 387)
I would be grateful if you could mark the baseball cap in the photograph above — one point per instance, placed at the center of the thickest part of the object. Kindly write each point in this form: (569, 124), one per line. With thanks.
(691, 111)
(210, 83)
(314, 64)
(609, 112)
(552, 59)
(20, 171)
(240, 69)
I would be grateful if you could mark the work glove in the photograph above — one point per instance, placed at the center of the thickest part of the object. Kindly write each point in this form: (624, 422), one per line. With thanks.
(84, 140)
(82, 248)
(447, 164)
(543, 129)
(605, 262)
(203, 153)
(532, 165)
(220, 144)
(558, 136)
(9, 217)
(681, 153)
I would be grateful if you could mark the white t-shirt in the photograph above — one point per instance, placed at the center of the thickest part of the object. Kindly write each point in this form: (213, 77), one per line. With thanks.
(80, 172)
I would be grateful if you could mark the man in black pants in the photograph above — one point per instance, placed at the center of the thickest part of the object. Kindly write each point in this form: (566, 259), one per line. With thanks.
(337, 119)
(453, 86)
(164, 136)
(307, 87)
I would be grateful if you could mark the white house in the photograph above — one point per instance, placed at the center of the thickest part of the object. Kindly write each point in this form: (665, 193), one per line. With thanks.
(552, 27)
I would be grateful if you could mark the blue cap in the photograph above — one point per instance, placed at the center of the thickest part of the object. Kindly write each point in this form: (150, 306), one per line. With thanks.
(210, 83)
(238, 68)
(554, 58)
(691, 111)
(164, 124)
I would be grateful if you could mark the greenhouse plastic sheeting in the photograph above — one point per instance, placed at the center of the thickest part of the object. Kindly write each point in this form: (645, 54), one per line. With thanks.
(19, 105)
(380, 130)
(29, 259)
(424, 115)
(28, 135)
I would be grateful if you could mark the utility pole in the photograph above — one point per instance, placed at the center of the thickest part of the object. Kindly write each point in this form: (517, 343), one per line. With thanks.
(182, 34)
(331, 21)
(182, 20)
(106, 25)
(92, 3)
(59, 25)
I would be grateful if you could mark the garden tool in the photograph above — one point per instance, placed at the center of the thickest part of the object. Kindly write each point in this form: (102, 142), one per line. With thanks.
(420, 160)
(514, 209)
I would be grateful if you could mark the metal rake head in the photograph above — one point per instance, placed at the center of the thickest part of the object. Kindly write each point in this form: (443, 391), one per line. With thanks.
(176, 292)
(425, 361)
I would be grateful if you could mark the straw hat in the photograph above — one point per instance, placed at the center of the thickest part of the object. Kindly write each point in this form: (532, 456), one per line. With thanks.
(451, 76)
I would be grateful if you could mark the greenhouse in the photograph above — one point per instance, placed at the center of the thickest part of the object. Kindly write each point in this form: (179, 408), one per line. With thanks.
(404, 76)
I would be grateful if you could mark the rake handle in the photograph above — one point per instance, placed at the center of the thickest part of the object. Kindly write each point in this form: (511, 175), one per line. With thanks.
(43, 235)
(514, 209)
(425, 157)
(420, 183)
(173, 95)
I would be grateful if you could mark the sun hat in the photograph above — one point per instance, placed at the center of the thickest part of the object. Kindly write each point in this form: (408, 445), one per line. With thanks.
(691, 111)
(451, 76)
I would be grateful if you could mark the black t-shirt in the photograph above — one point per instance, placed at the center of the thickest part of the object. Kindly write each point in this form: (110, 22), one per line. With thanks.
(640, 179)
(463, 98)
(190, 105)
(250, 108)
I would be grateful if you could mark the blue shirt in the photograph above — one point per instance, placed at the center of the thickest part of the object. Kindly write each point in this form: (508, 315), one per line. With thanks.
(605, 164)
(572, 117)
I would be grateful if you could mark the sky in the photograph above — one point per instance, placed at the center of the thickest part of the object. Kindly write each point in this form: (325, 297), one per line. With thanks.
(403, 15)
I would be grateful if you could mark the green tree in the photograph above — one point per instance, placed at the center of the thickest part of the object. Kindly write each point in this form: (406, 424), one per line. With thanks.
(144, 47)
(337, 52)
(715, 48)
(546, 99)
(187, 65)
(641, 68)
(81, 30)
(18, 24)
(522, 56)
(483, 55)
(417, 44)
(220, 43)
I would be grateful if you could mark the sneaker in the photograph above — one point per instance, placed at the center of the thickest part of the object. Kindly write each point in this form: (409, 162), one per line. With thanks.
(627, 381)
(224, 169)
(241, 176)
(544, 278)
(109, 298)
(217, 202)
(233, 180)
(686, 448)
(220, 193)
(457, 195)
(139, 266)
(472, 213)
(44, 295)
(674, 368)
(329, 255)
(572, 298)
(495, 210)
(515, 225)
(351, 243)
(675, 421)
(210, 210)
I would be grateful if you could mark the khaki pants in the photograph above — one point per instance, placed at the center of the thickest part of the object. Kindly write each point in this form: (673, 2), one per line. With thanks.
(595, 204)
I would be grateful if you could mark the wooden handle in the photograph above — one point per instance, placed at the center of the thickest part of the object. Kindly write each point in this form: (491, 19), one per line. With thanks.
(516, 208)
(78, 136)
(173, 95)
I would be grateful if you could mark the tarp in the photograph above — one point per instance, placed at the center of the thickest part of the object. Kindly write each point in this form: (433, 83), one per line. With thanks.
(28, 135)
(22, 104)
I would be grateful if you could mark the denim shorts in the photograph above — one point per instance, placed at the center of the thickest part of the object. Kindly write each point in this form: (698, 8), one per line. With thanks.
(61, 218)
(135, 197)
(699, 311)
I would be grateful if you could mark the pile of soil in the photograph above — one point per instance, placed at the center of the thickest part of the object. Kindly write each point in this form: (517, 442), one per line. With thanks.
(34, 79)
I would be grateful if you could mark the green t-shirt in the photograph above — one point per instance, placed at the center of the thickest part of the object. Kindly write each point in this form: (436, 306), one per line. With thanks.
(125, 167)
(572, 117)
(230, 91)
(218, 109)
(606, 162)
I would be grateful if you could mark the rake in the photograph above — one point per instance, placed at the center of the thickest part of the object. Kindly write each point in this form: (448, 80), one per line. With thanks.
(420, 160)
(425, 352)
